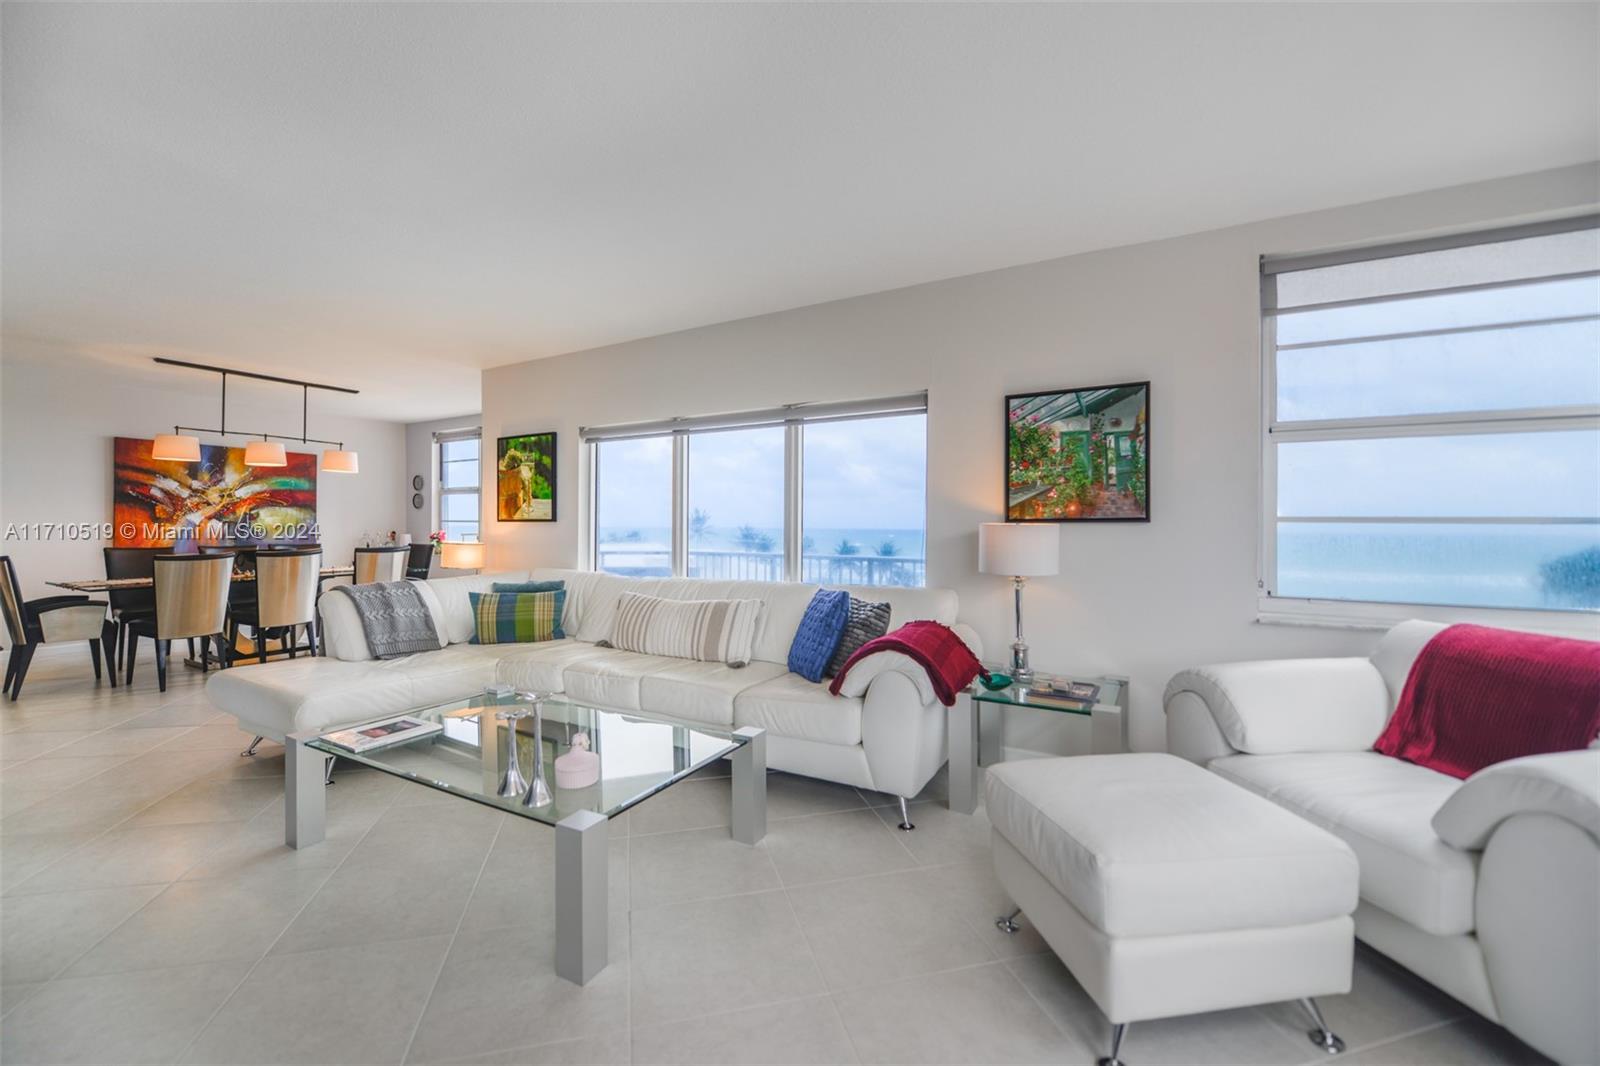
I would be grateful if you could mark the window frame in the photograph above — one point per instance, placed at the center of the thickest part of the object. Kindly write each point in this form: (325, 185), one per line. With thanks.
(1370, 614)
(792, 418)
(440, 439)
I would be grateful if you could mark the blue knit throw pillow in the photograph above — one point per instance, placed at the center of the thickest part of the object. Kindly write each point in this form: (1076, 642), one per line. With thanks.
(819, 633)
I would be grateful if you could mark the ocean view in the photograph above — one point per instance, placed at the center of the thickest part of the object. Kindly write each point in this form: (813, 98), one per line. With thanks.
(1522, 566)
(907, 542)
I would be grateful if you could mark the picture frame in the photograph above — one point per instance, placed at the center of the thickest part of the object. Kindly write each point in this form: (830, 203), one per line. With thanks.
(1078, 454)
(525, 478)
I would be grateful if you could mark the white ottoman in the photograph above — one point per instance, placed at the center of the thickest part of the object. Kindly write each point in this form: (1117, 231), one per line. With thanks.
(1166, 890)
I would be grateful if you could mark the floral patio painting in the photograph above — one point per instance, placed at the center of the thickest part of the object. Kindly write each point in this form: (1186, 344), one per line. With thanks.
(159, 503)
(526, 478)
(1079, 454)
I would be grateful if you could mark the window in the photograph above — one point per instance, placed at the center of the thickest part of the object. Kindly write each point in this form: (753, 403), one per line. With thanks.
(633, 507)
(459, 482)
(1433, 423)
(866, 500)
(828, 493)
(736, 504)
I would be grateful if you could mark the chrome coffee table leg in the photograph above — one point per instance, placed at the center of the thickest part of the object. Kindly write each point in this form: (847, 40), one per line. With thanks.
(581, 896)
(305, 801)
(750, 787)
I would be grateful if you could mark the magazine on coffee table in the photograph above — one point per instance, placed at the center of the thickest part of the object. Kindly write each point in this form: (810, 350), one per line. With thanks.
(394, 730)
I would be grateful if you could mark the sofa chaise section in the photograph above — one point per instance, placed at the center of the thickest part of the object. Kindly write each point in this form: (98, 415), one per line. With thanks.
(1485, 887)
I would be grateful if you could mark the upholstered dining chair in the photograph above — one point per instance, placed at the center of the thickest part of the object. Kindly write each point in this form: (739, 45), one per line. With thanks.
(191, 602)
(285, 601)
(420, 560)
(49, 620)
(128, 604)
(385, 563)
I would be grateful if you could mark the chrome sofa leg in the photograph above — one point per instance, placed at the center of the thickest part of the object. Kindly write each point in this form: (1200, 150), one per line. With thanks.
(1322, 1036)
(327, 770)
(1008, 924)
(251, 750)
(1115, 1058)
(905, 816)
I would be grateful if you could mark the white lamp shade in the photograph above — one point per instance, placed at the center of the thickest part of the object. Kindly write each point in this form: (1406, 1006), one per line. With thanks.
(264, 453)
(1019, 550)
(461, 555)
(175, 447)
(337, 462)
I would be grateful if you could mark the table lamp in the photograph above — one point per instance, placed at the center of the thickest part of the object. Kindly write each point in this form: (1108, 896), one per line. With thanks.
(1019, 552)
(461, 555)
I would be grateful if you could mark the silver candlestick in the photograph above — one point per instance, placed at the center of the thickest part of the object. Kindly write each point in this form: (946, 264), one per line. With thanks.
(538, 793)
(512, 783)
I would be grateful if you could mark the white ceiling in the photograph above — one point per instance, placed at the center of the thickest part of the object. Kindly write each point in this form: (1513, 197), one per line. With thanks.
(394, 196)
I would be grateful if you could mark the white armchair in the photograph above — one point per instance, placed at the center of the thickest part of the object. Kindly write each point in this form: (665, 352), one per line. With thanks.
(1488, 888)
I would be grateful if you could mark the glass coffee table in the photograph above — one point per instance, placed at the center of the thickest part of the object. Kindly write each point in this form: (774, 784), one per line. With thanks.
(494, 750)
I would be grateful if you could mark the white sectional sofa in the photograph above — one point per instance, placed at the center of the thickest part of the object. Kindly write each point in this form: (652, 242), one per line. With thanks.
(887, 732)
(1489, 887)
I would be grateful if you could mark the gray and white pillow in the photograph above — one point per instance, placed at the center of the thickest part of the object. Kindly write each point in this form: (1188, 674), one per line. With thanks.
(867, 621)
(706, 630)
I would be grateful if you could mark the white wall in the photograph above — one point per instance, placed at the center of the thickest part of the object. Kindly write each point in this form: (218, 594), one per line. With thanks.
(1139, 599)
(59, 413)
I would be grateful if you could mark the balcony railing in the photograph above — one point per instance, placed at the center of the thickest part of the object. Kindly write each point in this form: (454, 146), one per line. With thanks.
(824, 569)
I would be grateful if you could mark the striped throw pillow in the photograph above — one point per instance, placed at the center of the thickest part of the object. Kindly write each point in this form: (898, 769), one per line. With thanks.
(516, 617)
(706, 630)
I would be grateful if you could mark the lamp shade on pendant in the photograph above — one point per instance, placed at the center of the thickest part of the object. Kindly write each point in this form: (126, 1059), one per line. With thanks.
(175, 447)
(461, 555)
(264, 453)
(340, 462)
(1018, 550)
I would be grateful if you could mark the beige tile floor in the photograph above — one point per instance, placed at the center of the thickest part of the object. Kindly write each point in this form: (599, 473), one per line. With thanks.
(150, 913)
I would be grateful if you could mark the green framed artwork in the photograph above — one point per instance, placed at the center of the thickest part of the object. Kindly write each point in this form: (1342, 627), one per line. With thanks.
(1079, 455)
(525, 478)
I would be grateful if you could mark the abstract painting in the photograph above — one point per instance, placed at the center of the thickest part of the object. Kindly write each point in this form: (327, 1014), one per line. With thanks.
(1079, 454)
(159, 503)
(526, 478)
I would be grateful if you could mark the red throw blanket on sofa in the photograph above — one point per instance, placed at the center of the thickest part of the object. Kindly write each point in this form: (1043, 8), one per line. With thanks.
(950, 663)
(1477, 696)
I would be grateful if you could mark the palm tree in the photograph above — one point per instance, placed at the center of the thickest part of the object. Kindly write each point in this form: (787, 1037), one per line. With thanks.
(846, 547)
(888, 548)
(749, 538)
(699, 525)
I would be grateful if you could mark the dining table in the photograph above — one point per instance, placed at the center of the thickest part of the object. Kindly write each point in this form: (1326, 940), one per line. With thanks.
(108, 584)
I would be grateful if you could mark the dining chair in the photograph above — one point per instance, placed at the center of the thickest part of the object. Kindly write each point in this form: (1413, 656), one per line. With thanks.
(48, 620)
(385, 563)
(128, 604)
(285, 600)
(191, 602)
(420, 561)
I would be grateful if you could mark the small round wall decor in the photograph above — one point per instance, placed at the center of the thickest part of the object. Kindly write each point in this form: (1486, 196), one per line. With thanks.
(416, 500)
(416, 483)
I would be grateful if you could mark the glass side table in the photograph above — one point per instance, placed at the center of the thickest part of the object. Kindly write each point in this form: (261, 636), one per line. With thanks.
(975, 743)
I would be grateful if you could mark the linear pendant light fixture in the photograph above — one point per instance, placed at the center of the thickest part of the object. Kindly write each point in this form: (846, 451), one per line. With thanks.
(181, 445)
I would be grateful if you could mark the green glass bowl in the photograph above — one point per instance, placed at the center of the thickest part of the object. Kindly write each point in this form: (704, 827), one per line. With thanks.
(995, 682)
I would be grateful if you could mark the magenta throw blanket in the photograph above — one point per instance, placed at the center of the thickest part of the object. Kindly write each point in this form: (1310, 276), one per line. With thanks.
(950, 663)
(1477, 696)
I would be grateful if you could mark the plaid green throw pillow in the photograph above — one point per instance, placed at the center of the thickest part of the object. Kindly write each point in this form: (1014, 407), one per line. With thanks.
(516, 617)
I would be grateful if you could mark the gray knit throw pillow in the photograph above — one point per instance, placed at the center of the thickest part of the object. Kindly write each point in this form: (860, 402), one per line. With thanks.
(867, 621)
